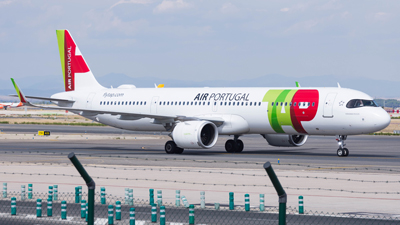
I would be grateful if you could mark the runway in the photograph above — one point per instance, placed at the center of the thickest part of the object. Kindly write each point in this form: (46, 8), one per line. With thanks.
(367, 177)
(366, 150)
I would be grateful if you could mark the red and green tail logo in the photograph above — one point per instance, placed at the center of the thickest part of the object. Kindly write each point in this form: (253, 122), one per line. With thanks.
(290, 108)
(72, 61)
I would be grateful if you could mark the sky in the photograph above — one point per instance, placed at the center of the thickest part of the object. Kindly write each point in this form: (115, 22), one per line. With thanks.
(205, 40)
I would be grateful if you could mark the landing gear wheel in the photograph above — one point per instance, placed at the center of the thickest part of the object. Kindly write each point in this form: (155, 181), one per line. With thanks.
(170, 147)
(340, 152)
(345, 152)
(239, 145)
(230, 146)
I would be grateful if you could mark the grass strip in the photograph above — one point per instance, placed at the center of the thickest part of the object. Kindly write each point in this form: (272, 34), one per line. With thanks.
(58, 123)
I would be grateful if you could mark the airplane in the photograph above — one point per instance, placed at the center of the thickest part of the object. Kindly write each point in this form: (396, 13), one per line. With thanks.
(195, 117)
(8, 105)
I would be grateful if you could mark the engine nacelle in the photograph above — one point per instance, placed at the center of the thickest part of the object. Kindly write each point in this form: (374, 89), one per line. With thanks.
(285, 140)
(195, 134)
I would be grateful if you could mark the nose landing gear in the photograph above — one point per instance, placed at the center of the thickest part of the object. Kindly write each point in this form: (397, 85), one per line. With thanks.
(342, 151)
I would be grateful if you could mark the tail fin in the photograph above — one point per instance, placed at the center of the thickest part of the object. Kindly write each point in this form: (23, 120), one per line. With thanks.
(77, 75)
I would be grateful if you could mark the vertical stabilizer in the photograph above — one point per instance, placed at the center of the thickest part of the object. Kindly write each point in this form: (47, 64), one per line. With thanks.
(76, 72)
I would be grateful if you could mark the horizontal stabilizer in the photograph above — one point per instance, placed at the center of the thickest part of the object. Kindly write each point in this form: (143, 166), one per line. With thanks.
(47, 99)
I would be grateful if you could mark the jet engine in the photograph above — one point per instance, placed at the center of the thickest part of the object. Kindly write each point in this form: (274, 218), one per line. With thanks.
(285, 140)
(195, 134)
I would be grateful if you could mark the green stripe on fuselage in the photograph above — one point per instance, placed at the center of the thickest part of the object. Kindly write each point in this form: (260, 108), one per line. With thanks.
(279, 115)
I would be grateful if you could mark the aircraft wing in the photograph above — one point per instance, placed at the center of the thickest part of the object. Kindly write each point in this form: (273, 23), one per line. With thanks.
(125, 115)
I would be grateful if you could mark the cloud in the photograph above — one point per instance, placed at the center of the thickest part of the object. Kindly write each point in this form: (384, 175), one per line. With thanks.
(303, 26)
(284, 9)
(171, 6)
(229, 8)
(381, 16)
(4, 3)
(143, 2)
(107, 21)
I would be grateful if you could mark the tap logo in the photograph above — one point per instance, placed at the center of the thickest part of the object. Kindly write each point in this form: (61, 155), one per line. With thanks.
(72, 61)
(291, 108)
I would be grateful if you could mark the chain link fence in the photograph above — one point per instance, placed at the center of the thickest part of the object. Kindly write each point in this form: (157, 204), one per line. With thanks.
(26, 211)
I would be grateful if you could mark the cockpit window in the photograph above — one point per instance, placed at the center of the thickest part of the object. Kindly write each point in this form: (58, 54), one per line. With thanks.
(356, 103)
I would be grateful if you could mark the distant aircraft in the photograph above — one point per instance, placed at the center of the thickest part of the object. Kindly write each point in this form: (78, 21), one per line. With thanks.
(8, 105)
(196, 116)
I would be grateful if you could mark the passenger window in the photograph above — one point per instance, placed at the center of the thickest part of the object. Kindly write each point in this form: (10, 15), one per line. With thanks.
(229, 103)
(294, 104)
(100, 103)
(259, 103)
(108, 103)
(195, 103)
(145, 103)
(208, 103)
(247, 103)
(141, 103)
(313, 104)
(220, 103)
(179, 103)
(272, 103)
(233, 103)
(242, 103)
(191, 103)
(225, 103)
(250, 103)
(215, 103)
(285, 103)
(183, 103)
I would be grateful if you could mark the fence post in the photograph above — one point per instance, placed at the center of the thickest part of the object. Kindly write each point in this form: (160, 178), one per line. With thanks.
(162, 215)
(80, 192)
(281, 193)
(39, 208)
(159, 198)
(231, 201)
(151, 195)
(13, 206)
(185, 202)
(4, 190)
(83, 208)
(23, 192)
(126, 196)
(301, 205)
(86, 212)
(89, 183)
(247, 202)
(177, 198)
(132, 216)
(154, 213)
(50, 192)
(55, 194)
(118, 210)
(64, 210)
(202, 199)
(30, 191)
(130, 195)
(191, 214)
(262, 206)
(110, 214)
(49, 207)
(77, 194)
(103, 195)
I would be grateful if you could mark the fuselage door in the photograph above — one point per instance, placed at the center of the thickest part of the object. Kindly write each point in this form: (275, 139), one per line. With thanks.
(89, 100)
(154, 103)
(328, 105)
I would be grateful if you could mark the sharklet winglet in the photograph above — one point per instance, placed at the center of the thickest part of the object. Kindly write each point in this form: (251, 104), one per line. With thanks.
(21, 95)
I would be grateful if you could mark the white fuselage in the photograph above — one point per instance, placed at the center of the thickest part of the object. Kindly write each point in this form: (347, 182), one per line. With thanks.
(244, 110)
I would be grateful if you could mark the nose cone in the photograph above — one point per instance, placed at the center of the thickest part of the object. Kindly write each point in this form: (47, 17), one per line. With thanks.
(381, 120)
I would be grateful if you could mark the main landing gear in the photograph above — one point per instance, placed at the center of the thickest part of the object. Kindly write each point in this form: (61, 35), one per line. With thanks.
(342, 151)
(234, 145)
(171, 148)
